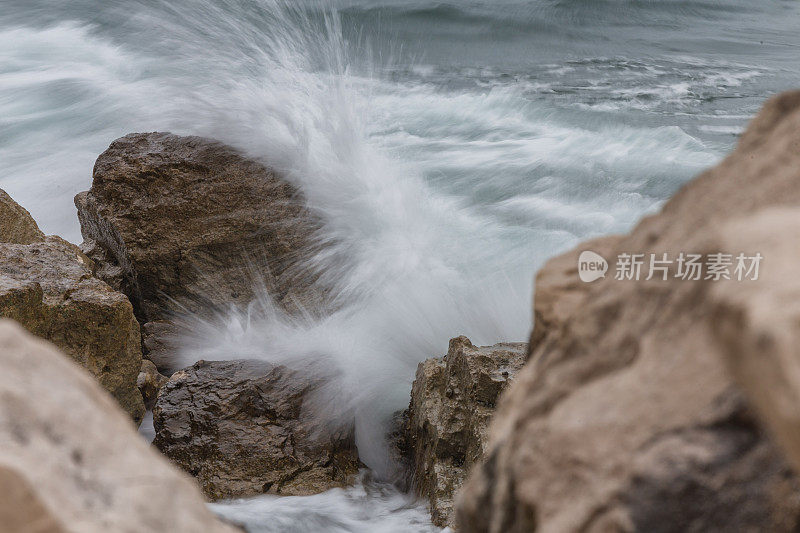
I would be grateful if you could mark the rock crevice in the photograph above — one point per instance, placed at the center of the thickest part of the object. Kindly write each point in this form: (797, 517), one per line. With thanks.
(47, 285)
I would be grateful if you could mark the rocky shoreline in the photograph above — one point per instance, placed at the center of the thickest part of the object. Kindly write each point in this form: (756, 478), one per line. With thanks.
(634, 411)
(634, 407)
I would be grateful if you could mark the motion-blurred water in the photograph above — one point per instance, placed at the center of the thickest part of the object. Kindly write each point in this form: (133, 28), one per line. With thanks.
(450, 148)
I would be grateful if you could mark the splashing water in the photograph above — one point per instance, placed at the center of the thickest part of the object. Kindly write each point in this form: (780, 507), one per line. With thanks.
(448, 150)
(364, 508)
(410, 266)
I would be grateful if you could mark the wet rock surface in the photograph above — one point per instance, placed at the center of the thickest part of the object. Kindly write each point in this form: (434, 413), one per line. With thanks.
(452, 401)
(193, 224)
(239, 428)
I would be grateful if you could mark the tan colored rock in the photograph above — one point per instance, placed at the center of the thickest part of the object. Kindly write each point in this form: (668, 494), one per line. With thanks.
(48, 287)
(238, 426)
(149, 383)
(70, 460)
(759, 323)
(22, 511)
(193, 224)
(16, 224)
(626, 417)
(559, 290)
(452, 400)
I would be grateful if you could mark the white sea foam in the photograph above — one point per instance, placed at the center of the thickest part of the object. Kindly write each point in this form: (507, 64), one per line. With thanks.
(441, 188)
(411, 181)
(368, 507)
(64, 95)
(411, 265)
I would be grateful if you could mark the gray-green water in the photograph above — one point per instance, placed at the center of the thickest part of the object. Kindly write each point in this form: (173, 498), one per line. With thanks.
(451, 148)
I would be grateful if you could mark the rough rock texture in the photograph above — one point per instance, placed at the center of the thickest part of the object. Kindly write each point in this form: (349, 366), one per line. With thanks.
(238, 427)
(626, 417)
(48, 287)
(104, 266)
(16, 224)
(70, 460)
(452, 399)
(149, 383)
(191, 224)
(161, 341)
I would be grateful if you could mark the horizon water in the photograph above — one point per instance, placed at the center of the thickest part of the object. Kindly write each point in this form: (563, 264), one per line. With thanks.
(449, 147)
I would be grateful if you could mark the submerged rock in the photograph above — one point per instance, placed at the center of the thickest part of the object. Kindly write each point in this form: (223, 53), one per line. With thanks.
(47, 285)
(70, 460)
(626, 417)
(192, 225)
(16, 224)
(452, 400)
(238, 426)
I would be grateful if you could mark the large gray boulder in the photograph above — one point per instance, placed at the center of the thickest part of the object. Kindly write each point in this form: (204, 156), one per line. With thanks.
(190, 224)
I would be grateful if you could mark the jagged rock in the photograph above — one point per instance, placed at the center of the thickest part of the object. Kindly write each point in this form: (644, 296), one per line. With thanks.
(48, 287)
(193, 224)
(238, 427)
(149, 383)
(70, 460)
(452, 400)
(16, 224)
(626, 417)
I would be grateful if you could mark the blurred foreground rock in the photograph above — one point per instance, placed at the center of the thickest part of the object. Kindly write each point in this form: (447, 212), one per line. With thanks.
(70, 460)
(626, 417)
(238, 426)
(47, 285)
(759, 324)
(452, 400)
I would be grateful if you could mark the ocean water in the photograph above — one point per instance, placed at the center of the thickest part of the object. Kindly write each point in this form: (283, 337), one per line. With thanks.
(450, 148)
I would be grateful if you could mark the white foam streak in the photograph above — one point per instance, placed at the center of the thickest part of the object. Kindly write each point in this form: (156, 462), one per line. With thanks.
(412, 182)
(368, 507)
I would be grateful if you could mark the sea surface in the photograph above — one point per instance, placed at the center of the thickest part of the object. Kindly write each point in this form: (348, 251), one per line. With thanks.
(450, 148)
